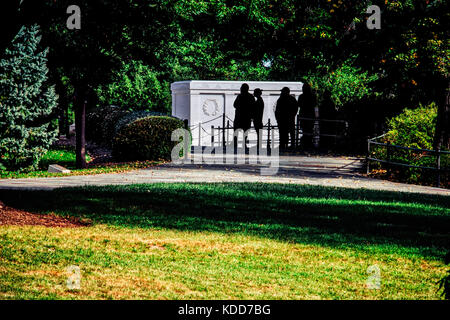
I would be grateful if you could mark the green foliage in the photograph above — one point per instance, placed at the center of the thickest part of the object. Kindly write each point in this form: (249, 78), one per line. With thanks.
(131, 117)
(347, 83)
(146, 139)
(153, 43)
(100, 124)
(413, 128)
(26, 103)
(136, 87)
(104, 123)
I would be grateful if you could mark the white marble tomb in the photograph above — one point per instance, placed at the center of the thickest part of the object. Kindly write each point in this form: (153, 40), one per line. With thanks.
(203, 102)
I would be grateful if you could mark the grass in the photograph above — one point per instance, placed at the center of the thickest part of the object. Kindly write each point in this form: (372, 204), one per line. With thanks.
(67, 158)
(227, 241)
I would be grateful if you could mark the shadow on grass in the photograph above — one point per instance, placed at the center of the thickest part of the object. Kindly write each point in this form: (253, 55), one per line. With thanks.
(336, 217)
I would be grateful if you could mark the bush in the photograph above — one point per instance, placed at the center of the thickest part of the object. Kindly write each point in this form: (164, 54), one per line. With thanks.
(146, 139)
(131, 117)
(100, 124)
(26, 103)
(137, 87)
(105, 122)
(413, 129)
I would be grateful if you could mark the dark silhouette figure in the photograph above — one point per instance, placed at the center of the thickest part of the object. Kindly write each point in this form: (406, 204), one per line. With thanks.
(244, 105)
(258, 111)
(307, 103)
(285, 113)
(327, 111)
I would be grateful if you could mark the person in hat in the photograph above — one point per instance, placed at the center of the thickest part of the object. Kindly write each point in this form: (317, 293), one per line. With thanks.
(243, 107)
(258, 111)
(285, 112)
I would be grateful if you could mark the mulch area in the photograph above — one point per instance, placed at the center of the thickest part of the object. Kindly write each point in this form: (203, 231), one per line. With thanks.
(11, 216)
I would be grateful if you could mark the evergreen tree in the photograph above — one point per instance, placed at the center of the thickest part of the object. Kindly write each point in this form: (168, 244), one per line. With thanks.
(26, 102)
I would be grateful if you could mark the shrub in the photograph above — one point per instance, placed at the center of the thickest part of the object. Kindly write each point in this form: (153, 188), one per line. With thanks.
(414, 129)
(104, 123)
(100, 124)
(131, 117)
(26, 103)
(146, 139)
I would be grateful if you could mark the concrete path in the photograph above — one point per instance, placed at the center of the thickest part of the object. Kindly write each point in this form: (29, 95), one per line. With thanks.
(325, 171)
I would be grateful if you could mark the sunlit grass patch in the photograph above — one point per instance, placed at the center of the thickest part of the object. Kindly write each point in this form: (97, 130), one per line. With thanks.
(67, 159)
(227, 241)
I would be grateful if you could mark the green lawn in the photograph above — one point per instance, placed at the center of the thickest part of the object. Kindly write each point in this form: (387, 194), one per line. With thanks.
(67, 158)
(227, 241)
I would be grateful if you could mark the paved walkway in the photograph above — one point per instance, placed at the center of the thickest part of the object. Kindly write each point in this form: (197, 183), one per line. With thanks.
(326, 171)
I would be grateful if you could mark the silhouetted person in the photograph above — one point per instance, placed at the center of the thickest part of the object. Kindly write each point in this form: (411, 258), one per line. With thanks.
(307, 103)
(285, 112)
(243, 104)
(258, 111)
(327, 111)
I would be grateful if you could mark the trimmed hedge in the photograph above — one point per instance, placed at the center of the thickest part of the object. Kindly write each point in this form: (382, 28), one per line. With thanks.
(131, 117)
(105, 122)
(146, 139)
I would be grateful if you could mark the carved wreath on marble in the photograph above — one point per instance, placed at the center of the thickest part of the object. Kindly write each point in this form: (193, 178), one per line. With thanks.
(210, 107)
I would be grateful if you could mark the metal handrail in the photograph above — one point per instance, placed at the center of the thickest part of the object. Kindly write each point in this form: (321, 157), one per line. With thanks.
(323, 120)
(437, 153)
(407, 165)
(410, 148)
(226, 126)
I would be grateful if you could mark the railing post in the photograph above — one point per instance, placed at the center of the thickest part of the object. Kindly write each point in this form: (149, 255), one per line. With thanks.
(199, 134)
(368, 155)
(223, 133)
(212, 136)
(438, 167)
(268, 138)
(218, 135)
(228, 128)
(388, 156)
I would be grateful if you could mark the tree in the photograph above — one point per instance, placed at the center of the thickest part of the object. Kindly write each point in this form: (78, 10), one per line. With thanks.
(26, 102)
(135, 87)
(111, 31)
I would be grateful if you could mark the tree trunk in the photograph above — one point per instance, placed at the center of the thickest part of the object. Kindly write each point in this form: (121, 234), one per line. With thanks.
(80, 125)
(62, 106)
(441, 135)
(67, 122)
